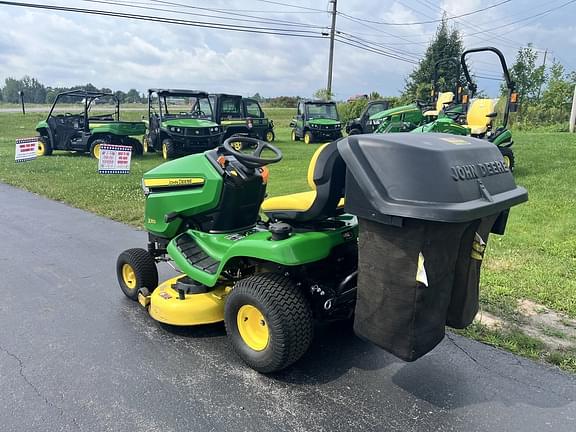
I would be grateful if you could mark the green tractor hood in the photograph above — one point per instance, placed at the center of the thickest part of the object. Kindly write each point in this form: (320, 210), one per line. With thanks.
(394, 111)
(188, 123)
(324, 121)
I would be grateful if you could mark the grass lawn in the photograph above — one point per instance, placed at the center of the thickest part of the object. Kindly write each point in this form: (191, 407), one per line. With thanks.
(535, 260)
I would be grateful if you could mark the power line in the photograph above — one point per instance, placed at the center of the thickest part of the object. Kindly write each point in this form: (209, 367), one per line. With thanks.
(291, 5)
(364, 47)
(429, 21)
(201, 24)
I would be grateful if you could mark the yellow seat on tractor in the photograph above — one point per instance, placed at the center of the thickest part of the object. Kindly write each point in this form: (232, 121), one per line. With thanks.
(443, 99)
(326, 178)
(480, 115)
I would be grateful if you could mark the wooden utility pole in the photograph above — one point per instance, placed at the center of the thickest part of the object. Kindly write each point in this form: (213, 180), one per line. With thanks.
(331, 58)
(573, 112)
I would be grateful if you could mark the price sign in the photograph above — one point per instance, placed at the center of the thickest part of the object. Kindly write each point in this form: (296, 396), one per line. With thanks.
(114, 159)
(26, 149)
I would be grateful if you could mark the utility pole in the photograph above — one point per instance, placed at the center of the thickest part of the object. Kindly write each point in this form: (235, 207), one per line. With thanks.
(331, 58)
(573, 112)
(544, 65)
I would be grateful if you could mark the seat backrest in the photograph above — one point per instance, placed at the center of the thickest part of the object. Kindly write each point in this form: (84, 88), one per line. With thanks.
(327, 176)
(444, 98)
(478, 111)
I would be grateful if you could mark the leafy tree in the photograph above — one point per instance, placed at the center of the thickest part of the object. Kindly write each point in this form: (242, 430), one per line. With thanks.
(447, 43)
(374, 95)
(560, 87)
(323, 94)
(132, 96)
(527, 76)
(257, 97)
(34, 91)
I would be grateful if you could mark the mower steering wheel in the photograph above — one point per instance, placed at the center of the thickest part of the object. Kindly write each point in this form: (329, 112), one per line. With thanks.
(454, 115)
(254, 160)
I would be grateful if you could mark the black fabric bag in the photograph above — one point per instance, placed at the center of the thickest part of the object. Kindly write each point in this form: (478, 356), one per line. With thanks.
(395, 311)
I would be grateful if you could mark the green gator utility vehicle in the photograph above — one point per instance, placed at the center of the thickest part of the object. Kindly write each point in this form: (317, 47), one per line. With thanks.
(316, 121)
(366, 123)
(180, 122)
(241, 116)
(83, 132)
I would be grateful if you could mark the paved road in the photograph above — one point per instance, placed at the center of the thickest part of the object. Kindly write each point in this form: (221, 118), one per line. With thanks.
(75, 354)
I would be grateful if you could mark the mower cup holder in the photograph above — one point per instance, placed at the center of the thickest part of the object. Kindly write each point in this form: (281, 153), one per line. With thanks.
(426, 205)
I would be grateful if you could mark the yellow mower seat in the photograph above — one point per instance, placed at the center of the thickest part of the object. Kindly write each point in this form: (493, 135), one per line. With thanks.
(479, 115)
(326, 175)
(443, 99)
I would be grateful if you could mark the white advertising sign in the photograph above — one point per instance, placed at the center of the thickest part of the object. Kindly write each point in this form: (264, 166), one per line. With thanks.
(26, 149)
(114, 159)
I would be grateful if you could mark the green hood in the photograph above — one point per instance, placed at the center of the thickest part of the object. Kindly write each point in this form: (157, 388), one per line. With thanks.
(323, 121)
(392, 111)
(188, 123)
(42, 125)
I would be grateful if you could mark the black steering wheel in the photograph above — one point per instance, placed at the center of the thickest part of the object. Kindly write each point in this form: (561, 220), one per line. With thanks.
(253, 160)
(454, 115)
(199, 113)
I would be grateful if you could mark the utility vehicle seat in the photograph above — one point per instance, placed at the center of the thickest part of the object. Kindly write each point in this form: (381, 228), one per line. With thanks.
(443, 99)
(326, 176)
(480, 115)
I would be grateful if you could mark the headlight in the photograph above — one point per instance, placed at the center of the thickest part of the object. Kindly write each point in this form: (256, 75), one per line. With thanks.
(175, 129)
(338, 125)
(312, 125)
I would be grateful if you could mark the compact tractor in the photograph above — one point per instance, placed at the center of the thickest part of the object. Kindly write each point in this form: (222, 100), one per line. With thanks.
(85, 132)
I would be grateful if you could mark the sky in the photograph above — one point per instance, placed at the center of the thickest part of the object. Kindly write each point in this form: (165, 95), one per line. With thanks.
(64, 49)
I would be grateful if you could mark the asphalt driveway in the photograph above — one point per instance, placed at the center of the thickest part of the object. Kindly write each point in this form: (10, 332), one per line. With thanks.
(75, 354)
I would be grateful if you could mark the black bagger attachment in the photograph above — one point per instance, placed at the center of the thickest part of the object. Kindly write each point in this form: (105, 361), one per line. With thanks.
(426, 204)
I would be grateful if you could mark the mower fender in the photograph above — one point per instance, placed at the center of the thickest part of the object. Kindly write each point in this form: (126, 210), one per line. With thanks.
(503, 139)
(298, 249)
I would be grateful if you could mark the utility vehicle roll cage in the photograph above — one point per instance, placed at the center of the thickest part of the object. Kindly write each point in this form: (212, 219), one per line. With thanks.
(88, 97)
(164, 93)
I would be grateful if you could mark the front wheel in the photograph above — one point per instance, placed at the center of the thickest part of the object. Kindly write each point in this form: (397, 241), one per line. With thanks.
(135, 269)
(308, 138)
(294, 136)
(43, 147)
(168, 149)
(269, 322)
(508, 156)
(137, 147)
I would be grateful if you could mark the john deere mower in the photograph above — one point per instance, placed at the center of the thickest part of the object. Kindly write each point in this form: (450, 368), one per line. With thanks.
(316, 121)
(392, 233)
(83, 131)
(180, 122)
(241, 116)
(479, 118)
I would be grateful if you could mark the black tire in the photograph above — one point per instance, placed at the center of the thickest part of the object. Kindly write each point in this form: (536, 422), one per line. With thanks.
(287, 316)
(308, 137)
(508, 155)
(147, 146)
(145, 273)
(168, 149)
(95, 147)
(269, 136)
(137, 147)
(354, 131)
(294, 136)
(44, 146)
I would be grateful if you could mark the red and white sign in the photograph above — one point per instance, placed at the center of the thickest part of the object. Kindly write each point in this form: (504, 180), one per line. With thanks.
(114, 159)
(26, 149)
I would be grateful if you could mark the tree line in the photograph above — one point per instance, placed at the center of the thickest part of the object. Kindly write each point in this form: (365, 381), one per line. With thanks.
(36, 92)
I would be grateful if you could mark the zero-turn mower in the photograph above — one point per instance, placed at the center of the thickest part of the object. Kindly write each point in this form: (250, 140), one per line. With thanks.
(392, 233)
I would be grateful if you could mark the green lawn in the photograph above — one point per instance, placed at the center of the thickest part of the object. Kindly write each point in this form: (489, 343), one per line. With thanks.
(536, 259)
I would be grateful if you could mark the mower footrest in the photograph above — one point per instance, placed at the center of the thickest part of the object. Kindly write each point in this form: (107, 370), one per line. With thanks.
(195, 255)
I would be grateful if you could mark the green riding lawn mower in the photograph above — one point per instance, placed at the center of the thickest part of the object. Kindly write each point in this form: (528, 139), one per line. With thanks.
(180, 122)
(316, 121)
(391, 234)
(241, 116)
(84, 132)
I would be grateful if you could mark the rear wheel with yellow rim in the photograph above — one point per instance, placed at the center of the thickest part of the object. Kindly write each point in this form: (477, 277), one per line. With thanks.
(294, 136)
(95, 147)
(135, 269)
(269, 321)
(508, 156)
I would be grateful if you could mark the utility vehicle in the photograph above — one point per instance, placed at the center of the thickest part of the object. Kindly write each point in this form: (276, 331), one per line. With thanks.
(391, 233)
(85, 132)
(241, 116)
(180, 122)
(316, 121)
(366, 123)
